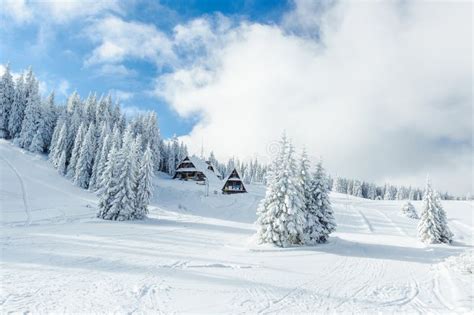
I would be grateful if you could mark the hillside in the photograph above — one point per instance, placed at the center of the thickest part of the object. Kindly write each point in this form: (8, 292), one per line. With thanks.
(197, 254)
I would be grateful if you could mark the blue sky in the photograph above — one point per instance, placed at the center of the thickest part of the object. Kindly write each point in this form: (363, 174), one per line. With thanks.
(369, 86)
(57, 50)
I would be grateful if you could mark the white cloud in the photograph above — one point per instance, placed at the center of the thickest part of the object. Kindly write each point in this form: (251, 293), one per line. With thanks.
(385, 92)
(62, 11)
(118, 40)
(17, 10)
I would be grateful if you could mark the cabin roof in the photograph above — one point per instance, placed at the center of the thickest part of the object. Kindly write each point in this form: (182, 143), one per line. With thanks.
(200, 166)
(216, 171)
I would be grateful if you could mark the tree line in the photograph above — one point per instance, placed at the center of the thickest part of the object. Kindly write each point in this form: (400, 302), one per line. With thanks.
(90, 141)
(373, 191)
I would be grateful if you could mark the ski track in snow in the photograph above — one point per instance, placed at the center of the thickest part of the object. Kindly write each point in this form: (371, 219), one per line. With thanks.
(23, 190)
(202, 258)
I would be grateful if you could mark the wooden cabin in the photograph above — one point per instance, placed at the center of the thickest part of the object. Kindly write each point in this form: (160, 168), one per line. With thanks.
(193, 168)
(233, 184)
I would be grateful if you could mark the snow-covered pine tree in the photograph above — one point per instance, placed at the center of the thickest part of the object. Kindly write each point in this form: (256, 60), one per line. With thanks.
(76, 151)
(409, 210)
(74, 120)
(86, 156)
(322, 204)
(313, 228)
(152, 138)
(90, 108)
(62, 163)
(446, 236)
(357, 189)
(49, 120)
(433, 227)
(281, 217)
(101, 141)
(17, 112)
(372, 192)
(108, 186)
(122, 205)
(32, 118)
(45, 126)
(59, 146)
(54, 138)
(173, 155)
(387, 193)
(116, 137)
(37, 144)
(7, 96)
(102, 112)
(100, 165)
(144, 184)
(350, 187)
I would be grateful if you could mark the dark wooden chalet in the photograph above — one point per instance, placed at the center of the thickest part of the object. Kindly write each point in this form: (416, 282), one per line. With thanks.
(233, 184)
(193, 168)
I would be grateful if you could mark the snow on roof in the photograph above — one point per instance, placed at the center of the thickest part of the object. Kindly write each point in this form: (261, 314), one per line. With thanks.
(235, 179)
(201, 166)
(216, 171)
(186, 169)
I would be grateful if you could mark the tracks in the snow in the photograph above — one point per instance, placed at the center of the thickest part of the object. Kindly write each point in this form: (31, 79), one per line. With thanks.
(23, 190)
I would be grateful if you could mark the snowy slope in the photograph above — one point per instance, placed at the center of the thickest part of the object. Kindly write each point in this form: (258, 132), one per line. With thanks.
(197, 254)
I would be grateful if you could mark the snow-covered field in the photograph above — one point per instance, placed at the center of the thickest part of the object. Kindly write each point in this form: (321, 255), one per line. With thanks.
(197, 254)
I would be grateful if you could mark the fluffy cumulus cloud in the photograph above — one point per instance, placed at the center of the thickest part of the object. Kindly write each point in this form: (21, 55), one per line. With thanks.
(119, 40)
(380, 90)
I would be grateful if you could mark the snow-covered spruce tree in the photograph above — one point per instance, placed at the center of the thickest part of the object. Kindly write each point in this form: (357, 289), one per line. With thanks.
(173, 155)
(7, 96)
(372, 192)
(409, 210)
(281, 218)
(37, 144)
(322, 205)
(85, 160)
(102, 141)
(313, 228)
(102, 162)
(90, 108)
(116, 137)
(49, 120)
(144, 184)
(120, 204)
(152, 138)
(17, 112)
(102, 111)
(59, 146)
(74, 112)
(357, 189)
(32, 119)
(387, 193)
(108, 186)
(61, 165)
(76, 151)
(446, 236)
(433, 227)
